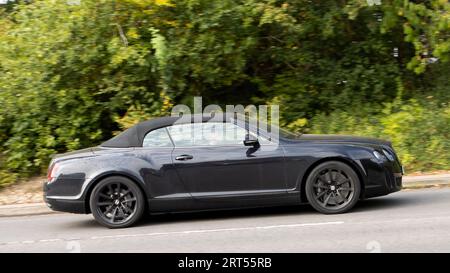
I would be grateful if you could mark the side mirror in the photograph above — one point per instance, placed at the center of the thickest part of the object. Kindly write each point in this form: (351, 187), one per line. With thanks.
(251, 141)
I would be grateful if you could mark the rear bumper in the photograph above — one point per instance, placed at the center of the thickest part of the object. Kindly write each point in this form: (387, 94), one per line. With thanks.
(73, 206)
(64, 205)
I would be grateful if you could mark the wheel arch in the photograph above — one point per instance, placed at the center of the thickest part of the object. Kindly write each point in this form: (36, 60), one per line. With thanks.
(99, 178)
(351, 163)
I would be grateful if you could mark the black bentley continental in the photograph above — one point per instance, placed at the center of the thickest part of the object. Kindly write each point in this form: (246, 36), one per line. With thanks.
(174, 164)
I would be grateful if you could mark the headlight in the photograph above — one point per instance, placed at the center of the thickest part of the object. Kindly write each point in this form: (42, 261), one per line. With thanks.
(378, 155)
(388, 155)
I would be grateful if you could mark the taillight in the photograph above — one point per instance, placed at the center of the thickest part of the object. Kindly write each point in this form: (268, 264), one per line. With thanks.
(51, 172)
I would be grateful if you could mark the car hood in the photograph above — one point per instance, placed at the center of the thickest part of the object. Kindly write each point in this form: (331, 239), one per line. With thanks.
(344, 139)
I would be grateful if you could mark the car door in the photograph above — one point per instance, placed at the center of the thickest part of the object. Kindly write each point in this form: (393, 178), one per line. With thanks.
(213, 162)
(165, 189)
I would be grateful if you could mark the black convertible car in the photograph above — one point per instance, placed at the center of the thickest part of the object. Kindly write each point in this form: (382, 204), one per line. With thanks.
(170, 165)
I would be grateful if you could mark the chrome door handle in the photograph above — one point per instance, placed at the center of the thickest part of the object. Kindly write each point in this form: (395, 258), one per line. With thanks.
(184, 157)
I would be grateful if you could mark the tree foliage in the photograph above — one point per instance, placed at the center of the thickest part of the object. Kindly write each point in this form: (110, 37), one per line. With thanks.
(74, 72)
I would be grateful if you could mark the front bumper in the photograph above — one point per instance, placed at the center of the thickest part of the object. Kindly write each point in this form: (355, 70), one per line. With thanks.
(382, 177)
(393, 181)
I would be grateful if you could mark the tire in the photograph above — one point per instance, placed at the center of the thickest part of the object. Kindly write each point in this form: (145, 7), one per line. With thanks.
(333, 187)
(117, 202)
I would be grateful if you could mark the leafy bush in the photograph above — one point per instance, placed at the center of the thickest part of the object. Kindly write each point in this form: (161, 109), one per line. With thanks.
(65, 74)
(420, 132)
(7, 178)
(72, 75)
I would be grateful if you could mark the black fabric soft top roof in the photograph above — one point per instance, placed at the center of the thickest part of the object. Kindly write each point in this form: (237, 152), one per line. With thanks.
(134, 136)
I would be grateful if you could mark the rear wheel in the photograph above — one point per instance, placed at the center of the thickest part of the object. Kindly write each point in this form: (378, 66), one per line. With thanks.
(117, 202)
(333, 187)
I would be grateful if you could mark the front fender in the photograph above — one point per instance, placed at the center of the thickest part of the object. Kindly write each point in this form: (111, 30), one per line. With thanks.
(302, 159)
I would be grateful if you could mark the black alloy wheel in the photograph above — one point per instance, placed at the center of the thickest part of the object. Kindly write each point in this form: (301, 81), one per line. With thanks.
(333, 187)
(117, 202)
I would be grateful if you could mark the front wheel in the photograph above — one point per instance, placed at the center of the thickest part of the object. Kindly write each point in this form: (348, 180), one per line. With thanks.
(117, 202)
(333, 187)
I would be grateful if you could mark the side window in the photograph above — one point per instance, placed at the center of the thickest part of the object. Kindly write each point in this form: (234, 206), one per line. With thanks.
(262, 139)
(182, 134)
(157, 138)
(231, 134)
(207, 134)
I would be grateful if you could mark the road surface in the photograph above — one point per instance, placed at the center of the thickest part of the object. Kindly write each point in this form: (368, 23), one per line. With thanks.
(407, 221)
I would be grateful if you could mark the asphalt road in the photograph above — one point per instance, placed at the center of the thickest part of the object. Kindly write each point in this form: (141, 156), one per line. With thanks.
(408, 221)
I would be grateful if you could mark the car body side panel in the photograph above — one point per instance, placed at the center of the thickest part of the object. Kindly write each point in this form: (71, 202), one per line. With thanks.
(155, 171)
(231, 170)
(152, 169)
(227, 177)
(159, 174)
(303, 156)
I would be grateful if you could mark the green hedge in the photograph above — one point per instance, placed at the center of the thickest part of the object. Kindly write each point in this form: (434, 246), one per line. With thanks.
(72, 75)
(419, 131)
